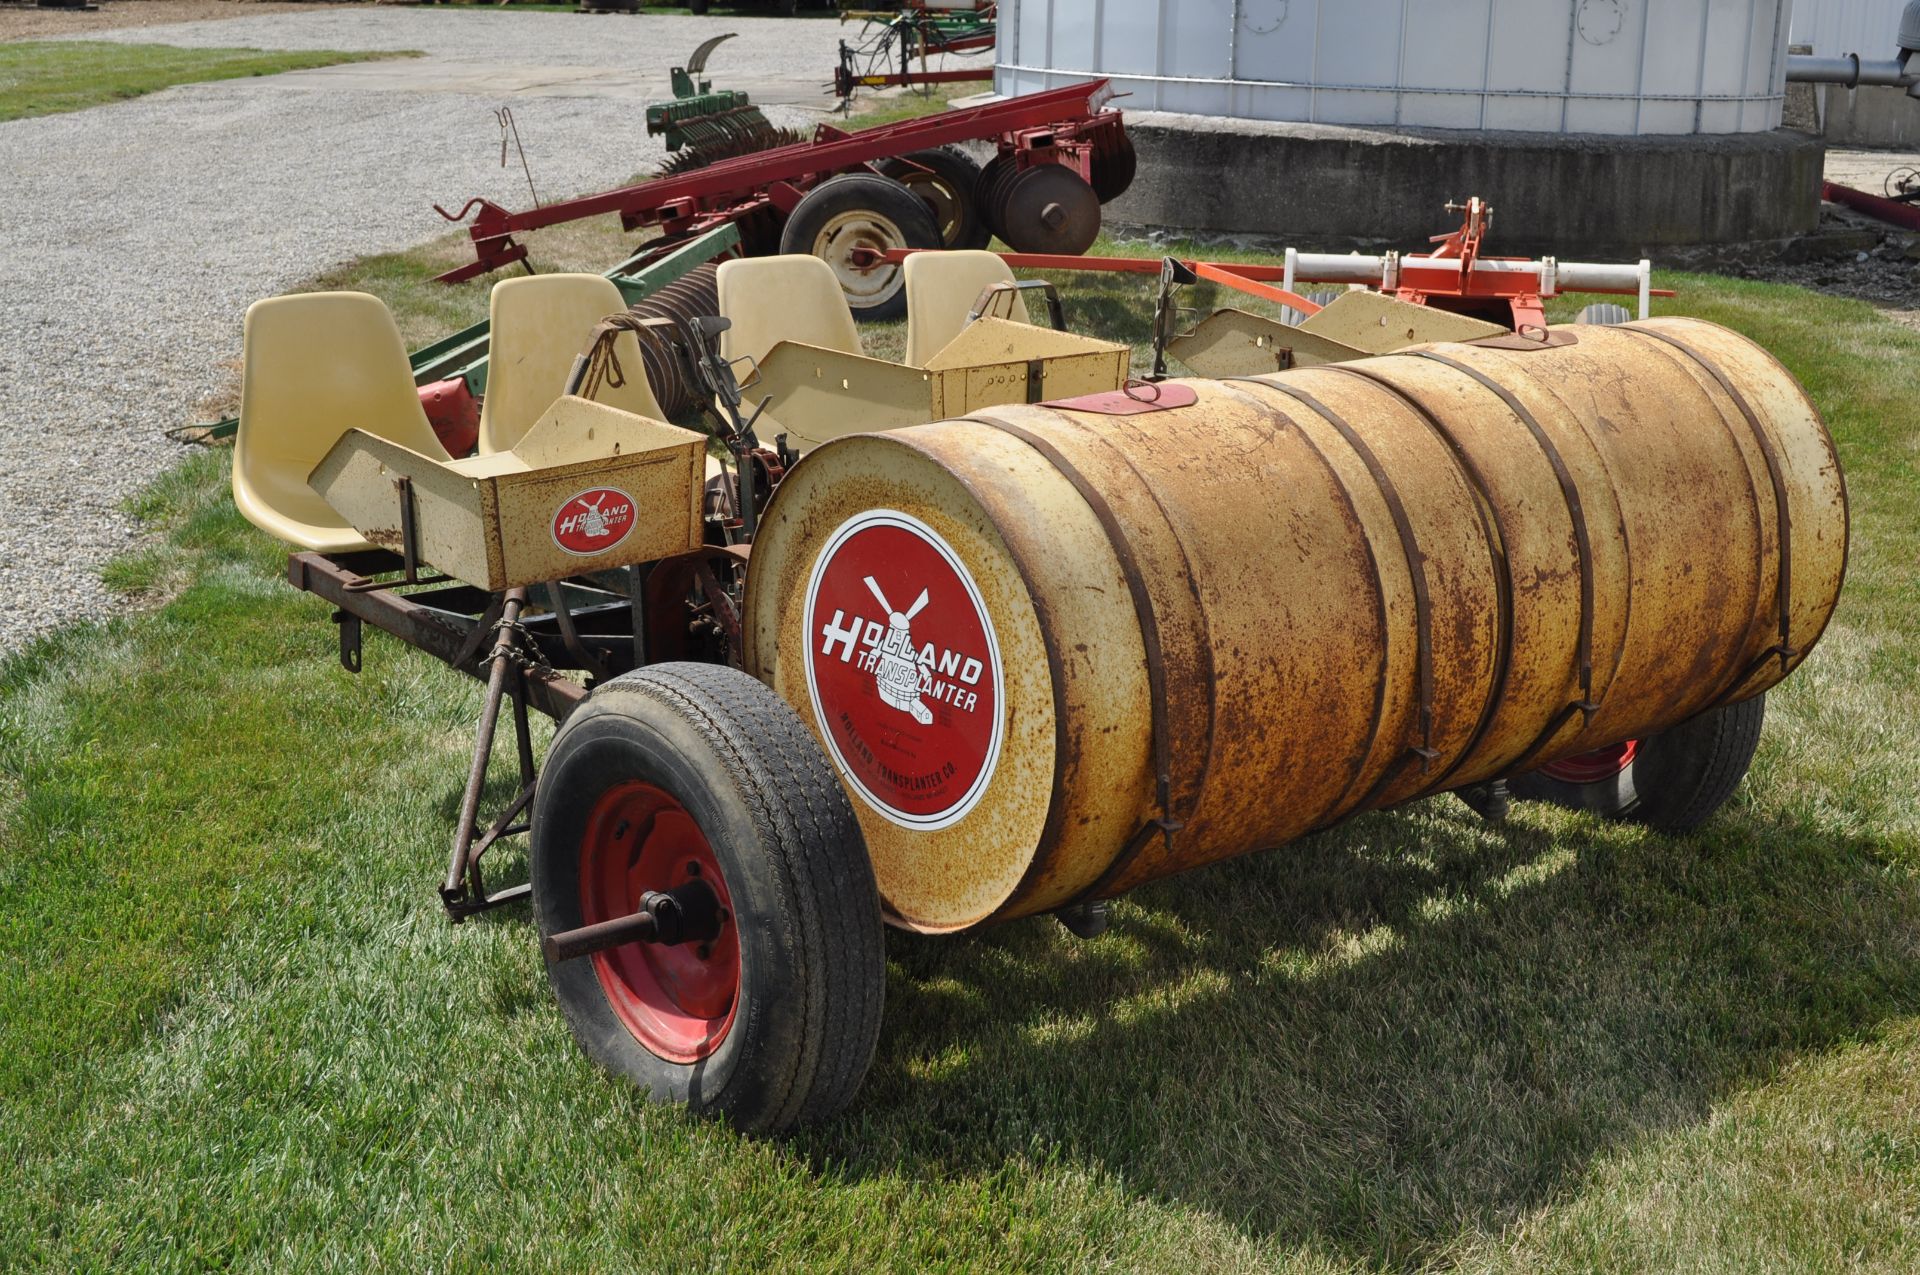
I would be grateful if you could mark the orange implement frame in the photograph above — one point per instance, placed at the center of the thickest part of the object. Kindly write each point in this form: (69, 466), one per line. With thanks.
(1454, 276)
(1254, 280)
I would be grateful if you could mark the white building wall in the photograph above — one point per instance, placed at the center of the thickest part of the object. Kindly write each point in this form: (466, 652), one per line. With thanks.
(1556, 66)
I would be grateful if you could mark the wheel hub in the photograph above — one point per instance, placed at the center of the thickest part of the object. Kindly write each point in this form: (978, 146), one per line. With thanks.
(1591, 768)
(837, 245)
(676, 994)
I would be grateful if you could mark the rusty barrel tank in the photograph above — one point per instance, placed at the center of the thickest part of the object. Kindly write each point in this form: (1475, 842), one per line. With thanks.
(1059, 650)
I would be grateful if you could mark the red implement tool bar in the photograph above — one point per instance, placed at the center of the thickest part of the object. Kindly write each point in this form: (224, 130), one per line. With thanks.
(1241, 276)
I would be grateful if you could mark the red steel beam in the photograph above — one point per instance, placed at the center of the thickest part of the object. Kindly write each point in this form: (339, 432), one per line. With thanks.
(1890, 211)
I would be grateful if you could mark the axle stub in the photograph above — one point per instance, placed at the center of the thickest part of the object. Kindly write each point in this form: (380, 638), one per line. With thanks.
(690, 913)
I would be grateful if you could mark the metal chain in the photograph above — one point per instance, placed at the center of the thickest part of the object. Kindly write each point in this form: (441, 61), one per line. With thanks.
(517, 654)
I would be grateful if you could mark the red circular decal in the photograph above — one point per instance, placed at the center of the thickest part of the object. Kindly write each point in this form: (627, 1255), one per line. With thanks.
(594, 521)
(903, 669)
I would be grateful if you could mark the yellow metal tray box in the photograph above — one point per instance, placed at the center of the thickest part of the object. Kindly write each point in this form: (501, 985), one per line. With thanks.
(815, 394)
(588, 488)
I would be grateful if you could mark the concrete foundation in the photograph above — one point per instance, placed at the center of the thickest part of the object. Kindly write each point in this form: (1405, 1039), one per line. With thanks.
(1576, 196)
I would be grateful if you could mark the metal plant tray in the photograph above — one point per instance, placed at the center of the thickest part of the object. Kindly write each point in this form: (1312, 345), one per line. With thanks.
(588, 488)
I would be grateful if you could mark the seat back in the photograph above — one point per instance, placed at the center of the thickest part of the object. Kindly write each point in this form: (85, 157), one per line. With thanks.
(537, 325)
(941, 290)
(316, 365)
(789, 298)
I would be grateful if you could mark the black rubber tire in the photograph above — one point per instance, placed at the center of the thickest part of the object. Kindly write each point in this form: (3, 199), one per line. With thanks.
(895, 214)
(813, 966)
(955, 174)
(1604, 313)
(1677, 778)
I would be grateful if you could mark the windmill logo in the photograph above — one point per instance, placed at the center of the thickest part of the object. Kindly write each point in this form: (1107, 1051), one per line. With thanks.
(896, 673)
(593, 521)
(903, 670)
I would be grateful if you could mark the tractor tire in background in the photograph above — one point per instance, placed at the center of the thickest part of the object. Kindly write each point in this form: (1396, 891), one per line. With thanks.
(944, 178)
(1048, 209)
(1672, 781)
(862, 210)
(680, 773)
(1605, 312)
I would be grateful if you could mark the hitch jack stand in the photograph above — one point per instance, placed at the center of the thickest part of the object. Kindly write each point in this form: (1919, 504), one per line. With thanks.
(464, 892)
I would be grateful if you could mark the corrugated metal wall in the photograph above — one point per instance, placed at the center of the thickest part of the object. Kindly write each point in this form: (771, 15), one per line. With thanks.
(1550, 66)
(1834, 27)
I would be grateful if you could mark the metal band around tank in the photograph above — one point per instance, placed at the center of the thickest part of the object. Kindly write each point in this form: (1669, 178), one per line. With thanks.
(1056, 676)
(1496, 534)
(1135, 844)
(1416, 570)
(1583, 542)
(1783, 589)
(1162, 745)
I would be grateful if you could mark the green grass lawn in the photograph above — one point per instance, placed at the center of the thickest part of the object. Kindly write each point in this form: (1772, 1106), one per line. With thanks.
(240, 1034)
(46, 77)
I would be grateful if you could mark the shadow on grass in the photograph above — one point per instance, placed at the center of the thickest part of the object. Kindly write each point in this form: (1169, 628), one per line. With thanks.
(1374, 1039)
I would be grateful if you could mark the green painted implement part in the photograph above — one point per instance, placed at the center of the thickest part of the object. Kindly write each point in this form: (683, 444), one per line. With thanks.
(464, 354)
(723, 122)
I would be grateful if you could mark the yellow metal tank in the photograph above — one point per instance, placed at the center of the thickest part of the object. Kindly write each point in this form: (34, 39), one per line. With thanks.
(1059, 650)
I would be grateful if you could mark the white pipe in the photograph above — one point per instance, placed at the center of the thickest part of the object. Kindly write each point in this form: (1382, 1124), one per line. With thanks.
(1584, 276)
(1332, 267)
(1560, 276)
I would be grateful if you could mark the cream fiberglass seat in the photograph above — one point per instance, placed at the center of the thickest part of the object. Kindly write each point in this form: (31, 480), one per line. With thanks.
(941, 290)
(317, 365)
(537, 326)
(775, 299)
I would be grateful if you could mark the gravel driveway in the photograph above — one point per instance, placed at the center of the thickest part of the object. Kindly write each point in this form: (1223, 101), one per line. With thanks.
(138, 233)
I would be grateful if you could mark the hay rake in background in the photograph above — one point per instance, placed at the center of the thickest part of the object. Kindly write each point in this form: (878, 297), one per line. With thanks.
(702, 124)
(916, 32)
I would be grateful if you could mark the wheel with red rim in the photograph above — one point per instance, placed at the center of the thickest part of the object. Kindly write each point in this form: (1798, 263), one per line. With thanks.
(1673, 780)
(696, 783)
